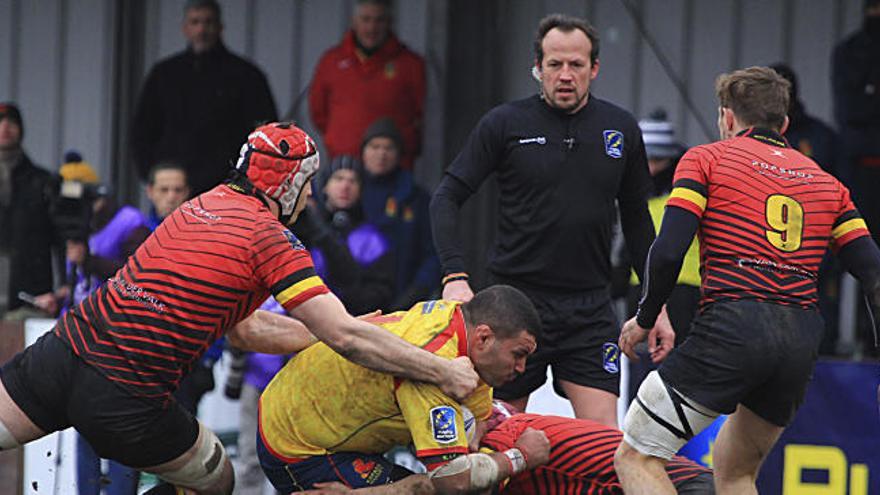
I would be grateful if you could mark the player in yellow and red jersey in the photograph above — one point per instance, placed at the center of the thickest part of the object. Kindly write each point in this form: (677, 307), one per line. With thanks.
(765, 215)
(325, 419)
(112, 362)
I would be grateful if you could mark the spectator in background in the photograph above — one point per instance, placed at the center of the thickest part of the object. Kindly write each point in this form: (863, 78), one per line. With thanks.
(197, 106)
(351, 254)
(399, 207)
(29, 243)
(815, 139)
(167, 188)
(855, 80)
(370, 75)
(114, 233)
(806, 133)
(99, 235)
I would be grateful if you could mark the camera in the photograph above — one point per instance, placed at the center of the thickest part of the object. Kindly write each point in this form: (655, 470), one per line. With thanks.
(72, 208)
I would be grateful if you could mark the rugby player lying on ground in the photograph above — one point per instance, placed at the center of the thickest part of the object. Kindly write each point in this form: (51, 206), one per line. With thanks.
(581, 458)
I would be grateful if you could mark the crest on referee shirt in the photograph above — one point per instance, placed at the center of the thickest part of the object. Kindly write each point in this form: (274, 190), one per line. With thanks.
(613, 143)
(611, 357)
(294, 242)
(443, 424)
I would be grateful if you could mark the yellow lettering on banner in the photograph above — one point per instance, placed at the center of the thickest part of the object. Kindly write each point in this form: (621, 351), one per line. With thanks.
(858, 479)
(707, 458)
(800, 457)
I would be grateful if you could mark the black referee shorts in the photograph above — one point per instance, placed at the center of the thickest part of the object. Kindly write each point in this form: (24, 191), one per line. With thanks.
(579, 343)
(758, 354)
(56, 390)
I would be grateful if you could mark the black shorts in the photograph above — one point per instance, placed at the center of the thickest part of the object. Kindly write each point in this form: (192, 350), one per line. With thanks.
(56, 390)
(579, 343)
(757, 354)
(701, 484)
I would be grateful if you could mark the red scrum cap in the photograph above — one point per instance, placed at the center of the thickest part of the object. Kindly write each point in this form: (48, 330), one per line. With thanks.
(279, 159)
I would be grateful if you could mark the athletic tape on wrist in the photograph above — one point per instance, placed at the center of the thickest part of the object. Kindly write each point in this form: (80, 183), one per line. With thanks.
(517, 460)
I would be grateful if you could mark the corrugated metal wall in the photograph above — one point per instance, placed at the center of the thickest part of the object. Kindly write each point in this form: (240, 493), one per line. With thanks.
(57, 57)
(55, 62)
(700, 38)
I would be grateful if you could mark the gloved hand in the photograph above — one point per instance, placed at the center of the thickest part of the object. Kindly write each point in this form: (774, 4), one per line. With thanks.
(312, 227)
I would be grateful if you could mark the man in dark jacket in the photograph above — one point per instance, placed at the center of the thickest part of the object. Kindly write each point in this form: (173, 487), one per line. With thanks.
(806, 133)
(28, 233)
(855, 80)
(197, 105)
(396, 204)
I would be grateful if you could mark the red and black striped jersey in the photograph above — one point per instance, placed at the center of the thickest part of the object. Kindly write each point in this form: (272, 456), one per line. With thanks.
(767, 216)
(209, 265)
(581, 457)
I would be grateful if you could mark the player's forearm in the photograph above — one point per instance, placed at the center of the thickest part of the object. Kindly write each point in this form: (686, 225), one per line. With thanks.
(477, 473)
(380, 350)
(271, 333)
(861, 257)
(664, 263)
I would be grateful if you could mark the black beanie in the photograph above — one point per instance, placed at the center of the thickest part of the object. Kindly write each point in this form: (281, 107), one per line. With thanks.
(8, 110)
(383, 127)
(342, 162)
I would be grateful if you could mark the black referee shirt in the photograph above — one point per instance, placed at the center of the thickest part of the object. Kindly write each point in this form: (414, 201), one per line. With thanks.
(559, 175)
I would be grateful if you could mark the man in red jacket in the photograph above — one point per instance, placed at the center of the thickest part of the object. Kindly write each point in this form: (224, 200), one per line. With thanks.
(370, 75)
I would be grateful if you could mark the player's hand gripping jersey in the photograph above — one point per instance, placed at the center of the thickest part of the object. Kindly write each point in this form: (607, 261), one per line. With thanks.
(209, 265)
(320, 403)
(767, 215)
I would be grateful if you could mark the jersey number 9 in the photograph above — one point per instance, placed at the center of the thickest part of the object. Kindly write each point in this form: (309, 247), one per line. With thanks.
(785, 216)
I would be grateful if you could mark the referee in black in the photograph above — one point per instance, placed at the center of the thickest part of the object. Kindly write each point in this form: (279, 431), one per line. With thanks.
(562, 159)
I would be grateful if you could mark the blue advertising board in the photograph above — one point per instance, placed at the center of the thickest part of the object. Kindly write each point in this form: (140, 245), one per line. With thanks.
(833, 445)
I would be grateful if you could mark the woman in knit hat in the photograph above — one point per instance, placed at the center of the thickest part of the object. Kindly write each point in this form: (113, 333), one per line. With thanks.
(399, 207)
(351, 254)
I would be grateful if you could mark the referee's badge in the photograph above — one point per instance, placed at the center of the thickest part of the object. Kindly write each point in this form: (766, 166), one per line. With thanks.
(443, 424)
(611, 357)
(613, 143)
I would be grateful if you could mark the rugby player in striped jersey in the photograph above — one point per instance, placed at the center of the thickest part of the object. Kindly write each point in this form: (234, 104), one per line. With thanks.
(109, 366)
